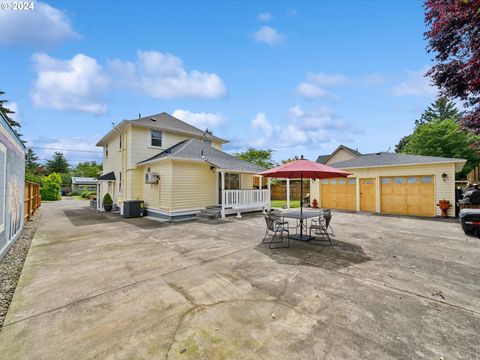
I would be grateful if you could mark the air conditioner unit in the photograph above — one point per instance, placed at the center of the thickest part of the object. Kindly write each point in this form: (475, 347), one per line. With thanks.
(152, 178)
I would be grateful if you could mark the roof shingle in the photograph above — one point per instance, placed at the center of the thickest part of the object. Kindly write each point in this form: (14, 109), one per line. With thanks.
(194, 149)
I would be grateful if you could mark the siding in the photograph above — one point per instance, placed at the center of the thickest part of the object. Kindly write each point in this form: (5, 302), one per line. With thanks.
(194, 186)
(140, 148)
(246, 181)
(12, 184)
(443, 189)
(340, 155)
(156, 196)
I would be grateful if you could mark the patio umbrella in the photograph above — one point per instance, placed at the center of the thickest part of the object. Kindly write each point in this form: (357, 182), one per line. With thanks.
(303, 169)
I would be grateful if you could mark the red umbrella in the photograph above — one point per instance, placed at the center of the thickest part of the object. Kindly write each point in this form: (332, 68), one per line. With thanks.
(307, 169)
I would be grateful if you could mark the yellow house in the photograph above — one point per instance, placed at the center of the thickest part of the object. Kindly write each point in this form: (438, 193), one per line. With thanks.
(177, 169)
(388, 183)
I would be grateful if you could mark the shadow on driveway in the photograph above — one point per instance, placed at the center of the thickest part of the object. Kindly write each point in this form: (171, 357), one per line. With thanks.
(338, 256)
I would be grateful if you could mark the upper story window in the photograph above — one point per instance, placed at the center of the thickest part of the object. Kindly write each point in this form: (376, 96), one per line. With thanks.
(106, 150)
(120, 142)
(156, 138)
(208, 142)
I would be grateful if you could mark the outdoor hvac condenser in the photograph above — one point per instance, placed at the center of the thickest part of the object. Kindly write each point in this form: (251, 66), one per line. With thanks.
(133, 208)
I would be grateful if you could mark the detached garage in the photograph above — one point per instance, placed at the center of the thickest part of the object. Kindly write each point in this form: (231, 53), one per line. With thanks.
(389, 183)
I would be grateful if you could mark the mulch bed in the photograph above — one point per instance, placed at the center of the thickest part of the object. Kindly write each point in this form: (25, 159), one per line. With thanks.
(12, 264)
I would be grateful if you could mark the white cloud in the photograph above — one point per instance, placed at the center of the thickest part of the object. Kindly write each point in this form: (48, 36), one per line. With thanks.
(315, 84)
(261, 122)
(303, 129)
(268, 35)
(415, 84)
(265, 16)
(70, 85)
(76, 149)
(201, 120)
(311, 91)
(163, 76)
(44, 26)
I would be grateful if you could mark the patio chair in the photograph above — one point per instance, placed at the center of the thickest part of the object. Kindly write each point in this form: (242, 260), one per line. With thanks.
(320, 227)
(325, 219)
(278, 227)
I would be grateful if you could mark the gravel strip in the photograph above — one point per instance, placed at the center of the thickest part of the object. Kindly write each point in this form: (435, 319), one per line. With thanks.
(12, 264)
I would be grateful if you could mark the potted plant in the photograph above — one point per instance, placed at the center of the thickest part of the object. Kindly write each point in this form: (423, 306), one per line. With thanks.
(107, 202)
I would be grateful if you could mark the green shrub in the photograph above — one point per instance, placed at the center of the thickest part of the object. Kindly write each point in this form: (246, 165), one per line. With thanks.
(107, 200)
(86, 194)
(51, 187)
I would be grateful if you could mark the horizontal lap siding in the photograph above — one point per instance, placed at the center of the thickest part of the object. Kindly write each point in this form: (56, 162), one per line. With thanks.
(156, 196)
(194, 186)
(246, 181)
(443, 189)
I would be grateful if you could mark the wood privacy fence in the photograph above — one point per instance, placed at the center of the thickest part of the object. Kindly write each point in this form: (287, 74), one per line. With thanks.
(279, 190)
(32, 199)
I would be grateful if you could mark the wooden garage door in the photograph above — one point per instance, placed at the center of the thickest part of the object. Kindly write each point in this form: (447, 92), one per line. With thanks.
(408, 195)
(367, 195)
(338, 193)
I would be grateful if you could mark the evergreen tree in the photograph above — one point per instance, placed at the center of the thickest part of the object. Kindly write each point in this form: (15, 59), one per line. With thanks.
(7, 112)
(441, 109)
(58, 164)
(31, 161)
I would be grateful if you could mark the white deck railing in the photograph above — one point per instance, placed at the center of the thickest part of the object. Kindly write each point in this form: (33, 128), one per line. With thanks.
(245, 199)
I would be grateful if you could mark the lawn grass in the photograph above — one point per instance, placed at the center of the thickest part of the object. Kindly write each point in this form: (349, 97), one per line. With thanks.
(280, 203)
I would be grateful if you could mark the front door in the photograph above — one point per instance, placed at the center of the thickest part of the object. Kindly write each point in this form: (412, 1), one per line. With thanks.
(367, 195)
(232, 182)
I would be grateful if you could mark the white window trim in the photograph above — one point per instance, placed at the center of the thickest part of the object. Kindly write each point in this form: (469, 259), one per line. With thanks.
(150, 139)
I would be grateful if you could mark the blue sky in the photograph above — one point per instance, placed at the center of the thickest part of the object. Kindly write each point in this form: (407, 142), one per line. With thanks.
(296, 77)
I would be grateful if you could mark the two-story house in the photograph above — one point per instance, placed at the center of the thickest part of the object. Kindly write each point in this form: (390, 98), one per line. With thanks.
(176, 169)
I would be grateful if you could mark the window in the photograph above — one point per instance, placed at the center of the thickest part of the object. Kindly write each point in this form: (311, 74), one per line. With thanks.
(386, 180)
(398, 180)
(333, 181)
(325, 181)
(156, 138)
(106, 150)
(367, 181)
(232, 181)
(426, 179)
(119, 181)
(412, 180)
(208, 142)
(342, 181)
(120, 142)
(352, 181)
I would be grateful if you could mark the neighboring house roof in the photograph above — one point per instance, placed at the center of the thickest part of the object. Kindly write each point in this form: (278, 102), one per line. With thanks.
(393, 159)
(321, 158)
(107, 177)
(324, 158)
(83, 180)
(194, 149)
(165, 122)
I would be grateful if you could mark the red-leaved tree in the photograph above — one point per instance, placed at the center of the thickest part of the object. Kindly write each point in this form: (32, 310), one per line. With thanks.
(454, 38)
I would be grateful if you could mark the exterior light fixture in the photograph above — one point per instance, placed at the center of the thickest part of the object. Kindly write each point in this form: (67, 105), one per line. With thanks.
(444, 176)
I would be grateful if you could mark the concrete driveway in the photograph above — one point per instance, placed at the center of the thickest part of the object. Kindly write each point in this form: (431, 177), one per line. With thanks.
(97, 286)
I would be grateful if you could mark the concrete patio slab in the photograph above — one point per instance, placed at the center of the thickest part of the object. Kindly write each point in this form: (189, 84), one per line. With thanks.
(100, 286)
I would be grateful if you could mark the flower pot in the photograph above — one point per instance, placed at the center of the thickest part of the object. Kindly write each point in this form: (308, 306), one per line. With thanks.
(108, 207)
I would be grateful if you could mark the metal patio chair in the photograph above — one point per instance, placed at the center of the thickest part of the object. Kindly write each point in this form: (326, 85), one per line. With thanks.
(320, 227)
(278, 227)
(325, 219)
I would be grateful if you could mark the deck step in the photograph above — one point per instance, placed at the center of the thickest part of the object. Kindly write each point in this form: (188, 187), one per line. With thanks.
(210, 213)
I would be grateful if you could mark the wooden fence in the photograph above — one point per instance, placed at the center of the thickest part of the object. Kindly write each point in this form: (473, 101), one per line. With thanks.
(279, 190)
(32, 199)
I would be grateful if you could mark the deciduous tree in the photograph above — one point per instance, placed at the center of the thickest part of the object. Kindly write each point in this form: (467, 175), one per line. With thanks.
(453, 37)
(260, 157)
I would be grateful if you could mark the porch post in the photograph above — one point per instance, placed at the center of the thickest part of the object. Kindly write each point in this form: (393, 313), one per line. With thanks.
(222, 173)
(288, 193)
(260, 180)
